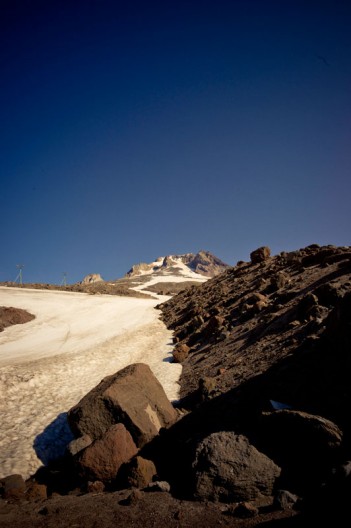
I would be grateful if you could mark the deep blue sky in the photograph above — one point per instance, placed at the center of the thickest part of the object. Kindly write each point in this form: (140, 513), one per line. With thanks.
(135, 129)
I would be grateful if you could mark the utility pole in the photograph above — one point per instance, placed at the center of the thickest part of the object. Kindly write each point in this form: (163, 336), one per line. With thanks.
(64, 280)
(19, 276)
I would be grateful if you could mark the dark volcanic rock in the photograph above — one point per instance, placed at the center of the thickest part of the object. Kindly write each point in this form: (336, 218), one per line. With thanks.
(229, 469)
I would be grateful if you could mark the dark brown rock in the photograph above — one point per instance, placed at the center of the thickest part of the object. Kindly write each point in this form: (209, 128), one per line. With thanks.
(13, 487)
(103, 458)
(132, 396)
(260, 255)
(180, 353)
(36, 491)
(95, 487)
(140, 472)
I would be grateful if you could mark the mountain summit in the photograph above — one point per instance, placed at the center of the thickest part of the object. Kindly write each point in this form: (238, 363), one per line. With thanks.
(202, 263)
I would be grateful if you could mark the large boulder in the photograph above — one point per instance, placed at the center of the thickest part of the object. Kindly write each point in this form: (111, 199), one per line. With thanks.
(103, 458)
(132, 396)
(260, 255)
(229, 469)
(304, 445)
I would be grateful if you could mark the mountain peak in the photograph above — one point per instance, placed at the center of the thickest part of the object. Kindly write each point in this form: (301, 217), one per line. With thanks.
(202, 263)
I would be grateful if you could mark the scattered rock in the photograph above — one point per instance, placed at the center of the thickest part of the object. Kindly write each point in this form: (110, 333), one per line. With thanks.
(260, 255)
(285, 500)
(35, 491)
(158, 485)
(180, 353)
(139, 472)
(95, 487)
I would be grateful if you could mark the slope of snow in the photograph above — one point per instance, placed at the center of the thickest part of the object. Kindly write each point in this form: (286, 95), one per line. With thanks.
(49, 364)
(155, 279)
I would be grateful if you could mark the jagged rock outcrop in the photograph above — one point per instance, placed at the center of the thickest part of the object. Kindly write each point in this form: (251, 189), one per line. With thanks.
(133, 396)
(203, 263)
(92, 278)
(207, 264)
(139, 269)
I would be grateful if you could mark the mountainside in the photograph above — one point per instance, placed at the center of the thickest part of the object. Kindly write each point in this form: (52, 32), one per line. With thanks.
(256, 315)
(263, 423)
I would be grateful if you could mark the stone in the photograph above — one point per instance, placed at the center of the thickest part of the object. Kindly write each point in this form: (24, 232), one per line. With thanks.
(103, 458)
(77, 445)
(132, 396)
(95, 487)
(285, 500)
(180, 353)
(140, 472)
(158, 485)
(280, 280)
(227, 468)
(260, 255)
(207, 388)
(13, 487)
(135, 496)
(36, 491)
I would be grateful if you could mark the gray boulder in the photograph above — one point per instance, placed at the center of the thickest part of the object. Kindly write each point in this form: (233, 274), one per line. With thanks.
(228, 468)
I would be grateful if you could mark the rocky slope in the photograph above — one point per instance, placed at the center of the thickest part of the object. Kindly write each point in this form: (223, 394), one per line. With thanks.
(263, 429)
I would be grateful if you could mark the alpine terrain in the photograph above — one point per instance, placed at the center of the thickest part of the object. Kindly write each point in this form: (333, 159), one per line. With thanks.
(260, 432)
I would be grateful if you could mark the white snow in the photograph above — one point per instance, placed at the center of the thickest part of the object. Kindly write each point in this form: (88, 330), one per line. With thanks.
(186, 274)
(50, 363)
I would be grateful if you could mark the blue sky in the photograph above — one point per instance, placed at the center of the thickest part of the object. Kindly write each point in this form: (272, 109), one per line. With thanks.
(131, 130)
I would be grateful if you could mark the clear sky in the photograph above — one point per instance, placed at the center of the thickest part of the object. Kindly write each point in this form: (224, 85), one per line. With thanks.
(135, 129)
